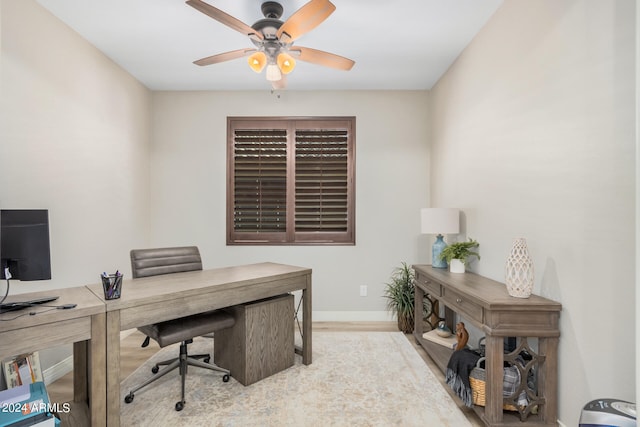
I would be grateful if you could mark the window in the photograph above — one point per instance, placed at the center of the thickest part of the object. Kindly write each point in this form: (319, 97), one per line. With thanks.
(291, 181)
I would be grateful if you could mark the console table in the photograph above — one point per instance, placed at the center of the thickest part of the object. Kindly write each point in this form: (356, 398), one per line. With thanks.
(486, 304)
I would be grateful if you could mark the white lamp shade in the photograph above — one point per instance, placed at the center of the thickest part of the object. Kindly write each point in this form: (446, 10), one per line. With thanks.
(440, 220)
(273, 73)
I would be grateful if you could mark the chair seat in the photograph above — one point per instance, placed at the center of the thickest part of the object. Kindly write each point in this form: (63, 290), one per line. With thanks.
(185, 328)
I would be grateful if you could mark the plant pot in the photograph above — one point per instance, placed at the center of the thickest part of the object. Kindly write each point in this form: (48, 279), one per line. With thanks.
(406, 323)
(456, 266)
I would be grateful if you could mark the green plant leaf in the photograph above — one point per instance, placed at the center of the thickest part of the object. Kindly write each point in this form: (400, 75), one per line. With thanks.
(460, 250)
(400, 292)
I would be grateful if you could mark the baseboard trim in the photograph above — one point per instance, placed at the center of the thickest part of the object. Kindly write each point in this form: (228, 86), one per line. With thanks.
(58, 370)
(352, 316)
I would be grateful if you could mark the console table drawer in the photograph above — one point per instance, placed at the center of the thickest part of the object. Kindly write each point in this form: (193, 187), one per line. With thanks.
(462, 304)
(430, 287)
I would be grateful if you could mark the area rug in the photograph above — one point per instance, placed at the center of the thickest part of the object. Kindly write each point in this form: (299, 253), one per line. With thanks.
(356, 379)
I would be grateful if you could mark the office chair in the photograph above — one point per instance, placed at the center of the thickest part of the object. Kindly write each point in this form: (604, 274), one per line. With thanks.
(152, 262)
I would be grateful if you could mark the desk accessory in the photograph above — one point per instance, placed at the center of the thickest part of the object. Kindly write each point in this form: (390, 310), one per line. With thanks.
(111, 285)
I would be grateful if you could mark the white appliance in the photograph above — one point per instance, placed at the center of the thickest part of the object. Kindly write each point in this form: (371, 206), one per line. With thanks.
(608, 413)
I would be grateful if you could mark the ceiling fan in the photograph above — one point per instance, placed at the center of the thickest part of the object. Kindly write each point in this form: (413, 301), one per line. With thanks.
(273, 39)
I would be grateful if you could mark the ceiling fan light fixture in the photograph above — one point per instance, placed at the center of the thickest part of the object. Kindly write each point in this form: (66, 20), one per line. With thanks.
(286, 63)
(273, 39)
(257, 61)
(273, 73)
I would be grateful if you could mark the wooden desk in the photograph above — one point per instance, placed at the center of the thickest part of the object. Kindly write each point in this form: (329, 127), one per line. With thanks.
(487, 304)
(154, 299)
(84, 326)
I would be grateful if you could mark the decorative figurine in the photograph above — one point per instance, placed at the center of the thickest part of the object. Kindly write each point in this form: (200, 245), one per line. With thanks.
(462, 335)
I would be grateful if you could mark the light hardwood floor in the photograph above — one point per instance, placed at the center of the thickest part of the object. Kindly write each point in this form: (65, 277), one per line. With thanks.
(132, 356)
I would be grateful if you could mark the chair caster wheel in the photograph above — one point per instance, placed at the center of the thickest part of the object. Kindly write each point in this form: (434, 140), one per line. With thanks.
(155, 369)
(128, 398)
(179, 406)
(206, 360)
(225, 378)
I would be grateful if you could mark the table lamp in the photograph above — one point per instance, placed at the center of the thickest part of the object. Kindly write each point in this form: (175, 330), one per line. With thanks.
(439, 221)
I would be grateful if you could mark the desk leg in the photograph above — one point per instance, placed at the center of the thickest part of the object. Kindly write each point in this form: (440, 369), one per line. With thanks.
(89, 372)
(96, 371)
(306, 319)
(80, 370)
(113, 368)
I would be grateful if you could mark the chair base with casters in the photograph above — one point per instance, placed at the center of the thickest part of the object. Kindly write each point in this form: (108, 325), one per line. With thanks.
(183, 330)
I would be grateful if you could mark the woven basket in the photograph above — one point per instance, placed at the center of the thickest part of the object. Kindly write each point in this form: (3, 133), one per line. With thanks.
(478, 380)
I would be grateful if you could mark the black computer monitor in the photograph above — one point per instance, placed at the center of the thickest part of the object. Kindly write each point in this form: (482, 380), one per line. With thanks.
(24, 244)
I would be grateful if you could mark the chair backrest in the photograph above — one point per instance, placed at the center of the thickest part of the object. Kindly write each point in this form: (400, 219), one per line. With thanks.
(152, 262)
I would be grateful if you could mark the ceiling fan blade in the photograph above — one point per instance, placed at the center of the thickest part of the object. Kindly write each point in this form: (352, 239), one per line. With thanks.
(321, 57)
(224, 18)
(279, 84)
(227, 56)
(305, 19)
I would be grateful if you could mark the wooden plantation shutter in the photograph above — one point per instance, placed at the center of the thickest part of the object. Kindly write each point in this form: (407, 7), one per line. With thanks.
(260, 180)
(321, 181)
(291, 181)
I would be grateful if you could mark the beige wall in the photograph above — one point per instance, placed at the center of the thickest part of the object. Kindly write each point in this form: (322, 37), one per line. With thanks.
(533, 136)
(188, 196)
(637, 336)
(74, 139)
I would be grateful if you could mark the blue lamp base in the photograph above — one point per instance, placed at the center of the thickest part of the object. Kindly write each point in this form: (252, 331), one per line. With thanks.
(436, 250)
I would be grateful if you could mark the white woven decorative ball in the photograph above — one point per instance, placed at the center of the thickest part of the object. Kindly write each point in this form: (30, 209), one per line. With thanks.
(519, 270)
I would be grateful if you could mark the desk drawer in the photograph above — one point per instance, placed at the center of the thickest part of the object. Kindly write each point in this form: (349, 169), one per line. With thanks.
(430, 287)
(462, 304)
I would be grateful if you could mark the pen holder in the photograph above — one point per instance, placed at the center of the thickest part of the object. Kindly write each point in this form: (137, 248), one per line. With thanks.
(111, 285)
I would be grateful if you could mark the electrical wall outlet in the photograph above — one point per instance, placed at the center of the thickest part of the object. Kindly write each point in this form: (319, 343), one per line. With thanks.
(363, 290)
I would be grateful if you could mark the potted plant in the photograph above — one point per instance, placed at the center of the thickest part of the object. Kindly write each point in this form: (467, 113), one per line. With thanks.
(457, 254)
(400, 294)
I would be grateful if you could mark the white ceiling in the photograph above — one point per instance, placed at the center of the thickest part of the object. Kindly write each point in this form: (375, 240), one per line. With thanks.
(397, 45)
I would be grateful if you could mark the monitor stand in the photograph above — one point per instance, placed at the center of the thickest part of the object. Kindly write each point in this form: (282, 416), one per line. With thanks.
(17, 305)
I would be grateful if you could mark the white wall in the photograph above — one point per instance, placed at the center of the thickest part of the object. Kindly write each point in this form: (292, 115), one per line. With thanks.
(637, 198)
(188, 160)
(533, 136)
(74, 132)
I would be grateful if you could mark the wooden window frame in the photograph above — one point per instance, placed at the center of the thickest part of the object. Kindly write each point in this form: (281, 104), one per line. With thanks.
(345, 233)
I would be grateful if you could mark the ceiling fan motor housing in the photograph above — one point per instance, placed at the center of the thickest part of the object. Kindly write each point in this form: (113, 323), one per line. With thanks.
(272, 9)
(269, 25)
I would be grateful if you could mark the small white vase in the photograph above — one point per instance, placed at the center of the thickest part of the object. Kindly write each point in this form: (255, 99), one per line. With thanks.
(519, 270)
(456, 266)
